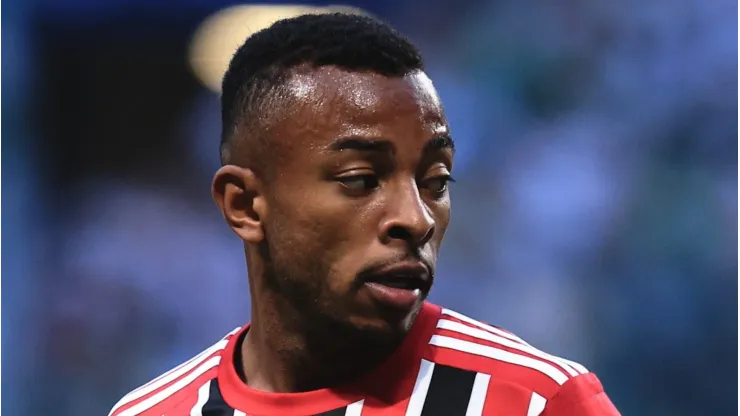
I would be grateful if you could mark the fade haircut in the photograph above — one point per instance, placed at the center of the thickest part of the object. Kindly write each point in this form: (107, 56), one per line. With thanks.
(251, 88)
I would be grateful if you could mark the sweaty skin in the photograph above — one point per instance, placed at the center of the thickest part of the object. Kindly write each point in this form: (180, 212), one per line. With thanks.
(360, 164)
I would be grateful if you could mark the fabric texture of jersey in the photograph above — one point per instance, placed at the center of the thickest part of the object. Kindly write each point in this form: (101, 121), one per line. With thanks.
(449, 364)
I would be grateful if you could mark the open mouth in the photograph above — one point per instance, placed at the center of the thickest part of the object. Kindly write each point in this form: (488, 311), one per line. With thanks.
(406, 282)
(400, 286)
(401, 292)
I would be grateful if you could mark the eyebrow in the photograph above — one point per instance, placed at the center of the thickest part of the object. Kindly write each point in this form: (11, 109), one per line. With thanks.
(372, 145)
(362, 144)
(439, 143)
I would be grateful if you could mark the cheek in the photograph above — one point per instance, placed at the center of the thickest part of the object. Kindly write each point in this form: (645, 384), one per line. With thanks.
(302, 232)
(318, 212)
(312, 233)
(441, 210)
(342, 242)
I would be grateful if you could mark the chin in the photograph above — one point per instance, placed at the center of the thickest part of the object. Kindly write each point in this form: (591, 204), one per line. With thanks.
(389, 321)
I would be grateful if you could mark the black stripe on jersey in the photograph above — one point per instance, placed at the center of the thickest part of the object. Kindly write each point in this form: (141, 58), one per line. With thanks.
(336, 412)
(216, 405)
(449, 391)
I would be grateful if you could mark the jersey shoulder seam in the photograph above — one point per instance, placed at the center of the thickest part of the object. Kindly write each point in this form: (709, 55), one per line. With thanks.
(459, 332)
(177, 373)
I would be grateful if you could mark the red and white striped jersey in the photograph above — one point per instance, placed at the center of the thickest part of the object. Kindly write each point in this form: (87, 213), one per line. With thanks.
(448, 365)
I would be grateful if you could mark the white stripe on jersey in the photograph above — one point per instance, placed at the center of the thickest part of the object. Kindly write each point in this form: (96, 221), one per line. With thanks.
(419, 394)
(481, 334)
(203, 393)
(577, 366)
(168, 378)
(478, 395)
(487, 327)
(173, 374)
(355, 409)
(190, 360)
(172, 389)
(536, 405)
(239, 413)
(500, 355)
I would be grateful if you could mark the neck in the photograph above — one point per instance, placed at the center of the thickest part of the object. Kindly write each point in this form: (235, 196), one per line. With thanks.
(287, 352)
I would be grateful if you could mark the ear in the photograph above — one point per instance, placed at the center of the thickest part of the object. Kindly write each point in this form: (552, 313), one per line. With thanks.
(238, 192)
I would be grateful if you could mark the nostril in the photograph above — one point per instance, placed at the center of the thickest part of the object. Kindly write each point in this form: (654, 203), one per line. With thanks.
(399, 233)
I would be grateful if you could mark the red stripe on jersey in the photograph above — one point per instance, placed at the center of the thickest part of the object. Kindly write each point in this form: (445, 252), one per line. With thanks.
(184, 398)
(524, 350)
(532, 379)
(224, 341)
(467, 333)
(204, 361)
(450, 314)
(470, 331)
(162, 382)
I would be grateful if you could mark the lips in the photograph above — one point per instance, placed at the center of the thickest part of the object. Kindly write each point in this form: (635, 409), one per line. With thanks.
(406, 276)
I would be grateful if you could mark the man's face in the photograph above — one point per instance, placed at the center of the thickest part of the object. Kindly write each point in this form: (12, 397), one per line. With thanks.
(358, 203)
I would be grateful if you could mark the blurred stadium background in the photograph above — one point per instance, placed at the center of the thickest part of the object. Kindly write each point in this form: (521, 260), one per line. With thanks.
(595, 212)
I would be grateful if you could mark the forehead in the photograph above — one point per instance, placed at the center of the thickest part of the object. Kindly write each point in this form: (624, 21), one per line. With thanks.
(328, 102)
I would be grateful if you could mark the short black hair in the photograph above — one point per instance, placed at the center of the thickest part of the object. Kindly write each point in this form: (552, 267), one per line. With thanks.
(348, 41)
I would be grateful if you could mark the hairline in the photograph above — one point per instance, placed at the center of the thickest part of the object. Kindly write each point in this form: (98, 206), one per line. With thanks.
(271, 98)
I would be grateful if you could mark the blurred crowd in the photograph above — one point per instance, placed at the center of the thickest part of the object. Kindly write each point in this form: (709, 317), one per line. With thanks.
(594, 212)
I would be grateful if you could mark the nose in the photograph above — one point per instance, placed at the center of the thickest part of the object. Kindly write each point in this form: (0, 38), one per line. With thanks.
(408, 218)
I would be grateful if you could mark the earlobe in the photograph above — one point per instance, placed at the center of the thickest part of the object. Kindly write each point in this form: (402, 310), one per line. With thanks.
(238, 194)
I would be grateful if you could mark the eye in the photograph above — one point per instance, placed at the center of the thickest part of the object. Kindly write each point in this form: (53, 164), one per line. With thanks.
(439, 184)
(359, 182)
